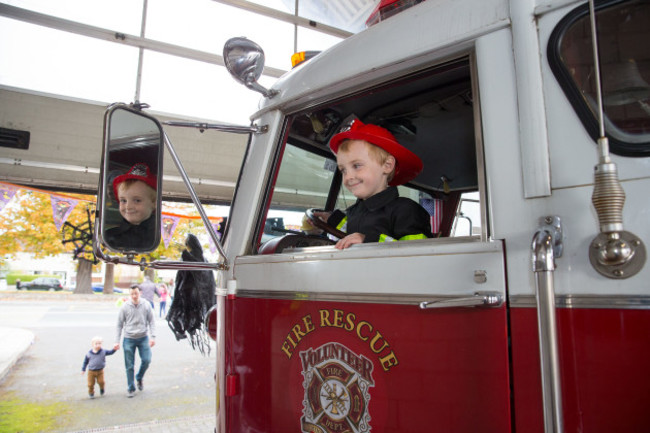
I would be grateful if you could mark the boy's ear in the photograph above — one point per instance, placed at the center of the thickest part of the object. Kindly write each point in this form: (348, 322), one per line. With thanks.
(389, 164)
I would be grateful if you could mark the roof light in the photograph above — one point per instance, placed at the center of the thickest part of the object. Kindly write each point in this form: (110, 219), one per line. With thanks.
(388, 8)
(302, 56)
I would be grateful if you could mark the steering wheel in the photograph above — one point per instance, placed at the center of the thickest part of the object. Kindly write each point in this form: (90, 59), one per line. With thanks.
(323, 225)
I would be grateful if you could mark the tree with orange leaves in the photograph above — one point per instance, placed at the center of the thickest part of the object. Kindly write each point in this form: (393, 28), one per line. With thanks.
(27, 225)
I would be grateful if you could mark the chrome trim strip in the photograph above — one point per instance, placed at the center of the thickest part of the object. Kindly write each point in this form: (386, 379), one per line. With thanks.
(627, 302)
(373, 298)
(632, 302)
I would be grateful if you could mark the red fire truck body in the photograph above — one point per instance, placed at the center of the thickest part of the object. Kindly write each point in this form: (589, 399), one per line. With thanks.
(447, 334)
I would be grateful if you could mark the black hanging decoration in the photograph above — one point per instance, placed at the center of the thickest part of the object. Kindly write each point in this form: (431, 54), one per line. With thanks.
(194, 294)
(81, 237)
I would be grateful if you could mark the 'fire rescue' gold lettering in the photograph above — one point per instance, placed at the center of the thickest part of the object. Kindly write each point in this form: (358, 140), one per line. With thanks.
(297, 334)
(362, 325)
(348, 322)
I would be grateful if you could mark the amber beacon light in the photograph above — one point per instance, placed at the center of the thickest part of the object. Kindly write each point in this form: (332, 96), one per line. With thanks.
(301, 57)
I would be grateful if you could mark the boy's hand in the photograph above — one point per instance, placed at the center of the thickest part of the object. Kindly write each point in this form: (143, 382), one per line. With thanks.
(323, 215)
(82, 372)
(349, 240)
(308, 228)
(116, 346)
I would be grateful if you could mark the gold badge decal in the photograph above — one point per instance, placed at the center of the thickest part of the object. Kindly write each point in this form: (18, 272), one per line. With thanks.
(336, 382)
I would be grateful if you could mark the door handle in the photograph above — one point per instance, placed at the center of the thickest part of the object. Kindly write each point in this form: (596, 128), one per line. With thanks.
(480, 299)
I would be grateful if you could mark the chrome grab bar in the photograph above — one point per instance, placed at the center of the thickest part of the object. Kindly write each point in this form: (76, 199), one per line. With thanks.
(480, 299)
(546, 245)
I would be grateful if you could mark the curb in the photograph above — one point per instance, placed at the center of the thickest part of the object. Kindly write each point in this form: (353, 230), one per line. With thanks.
(15, 342)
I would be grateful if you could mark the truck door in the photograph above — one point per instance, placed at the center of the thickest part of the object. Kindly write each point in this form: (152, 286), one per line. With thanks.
(407, 336)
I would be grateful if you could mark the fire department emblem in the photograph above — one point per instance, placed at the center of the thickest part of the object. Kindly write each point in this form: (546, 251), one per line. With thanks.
(336, 382)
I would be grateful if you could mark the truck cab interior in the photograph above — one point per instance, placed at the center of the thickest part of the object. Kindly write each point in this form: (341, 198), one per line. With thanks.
(432, 112)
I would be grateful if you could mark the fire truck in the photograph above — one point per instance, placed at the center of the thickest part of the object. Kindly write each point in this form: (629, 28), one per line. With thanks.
(528, 311)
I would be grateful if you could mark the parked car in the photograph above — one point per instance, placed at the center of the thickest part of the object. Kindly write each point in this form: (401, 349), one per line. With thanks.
(42, 283)
(99, 288)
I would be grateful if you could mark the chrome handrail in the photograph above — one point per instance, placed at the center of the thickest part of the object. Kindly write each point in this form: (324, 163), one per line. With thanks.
(480, 299)
(546, 245)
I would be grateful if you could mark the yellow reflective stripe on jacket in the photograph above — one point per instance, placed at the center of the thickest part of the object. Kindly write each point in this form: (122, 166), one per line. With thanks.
(413, 237)
(386, 238)
(343, 224)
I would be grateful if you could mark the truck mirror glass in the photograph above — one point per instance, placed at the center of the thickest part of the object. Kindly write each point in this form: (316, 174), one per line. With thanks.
(131, 181)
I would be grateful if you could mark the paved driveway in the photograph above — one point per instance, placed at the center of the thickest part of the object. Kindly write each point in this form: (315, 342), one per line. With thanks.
(179, 385)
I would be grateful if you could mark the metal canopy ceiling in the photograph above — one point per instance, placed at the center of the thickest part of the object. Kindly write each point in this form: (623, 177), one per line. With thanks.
(66, 133)
(66, 141)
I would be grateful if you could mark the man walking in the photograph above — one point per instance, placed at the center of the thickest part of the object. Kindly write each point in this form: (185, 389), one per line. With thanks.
(148, 289)
(137, 320)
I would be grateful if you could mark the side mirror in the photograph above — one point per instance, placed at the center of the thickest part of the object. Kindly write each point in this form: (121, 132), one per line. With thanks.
(245, 61)
(130, 181)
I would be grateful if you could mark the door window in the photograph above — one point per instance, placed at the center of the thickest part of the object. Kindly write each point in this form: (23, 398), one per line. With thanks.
(431, 113)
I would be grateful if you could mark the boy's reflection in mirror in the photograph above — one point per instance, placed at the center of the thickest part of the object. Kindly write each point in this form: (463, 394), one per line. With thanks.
(136, 194)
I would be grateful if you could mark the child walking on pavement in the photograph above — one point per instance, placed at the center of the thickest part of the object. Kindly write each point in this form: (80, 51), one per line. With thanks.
(95, 361)
(164, 294)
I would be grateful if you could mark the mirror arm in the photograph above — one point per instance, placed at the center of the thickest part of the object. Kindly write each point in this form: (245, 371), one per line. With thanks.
(254, 85)
(189, 266)
(195, 199)
(255, 129)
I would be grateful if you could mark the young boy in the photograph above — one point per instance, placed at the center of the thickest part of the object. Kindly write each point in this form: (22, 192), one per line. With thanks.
(95, 360)
(136, 194)
(373, 163)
